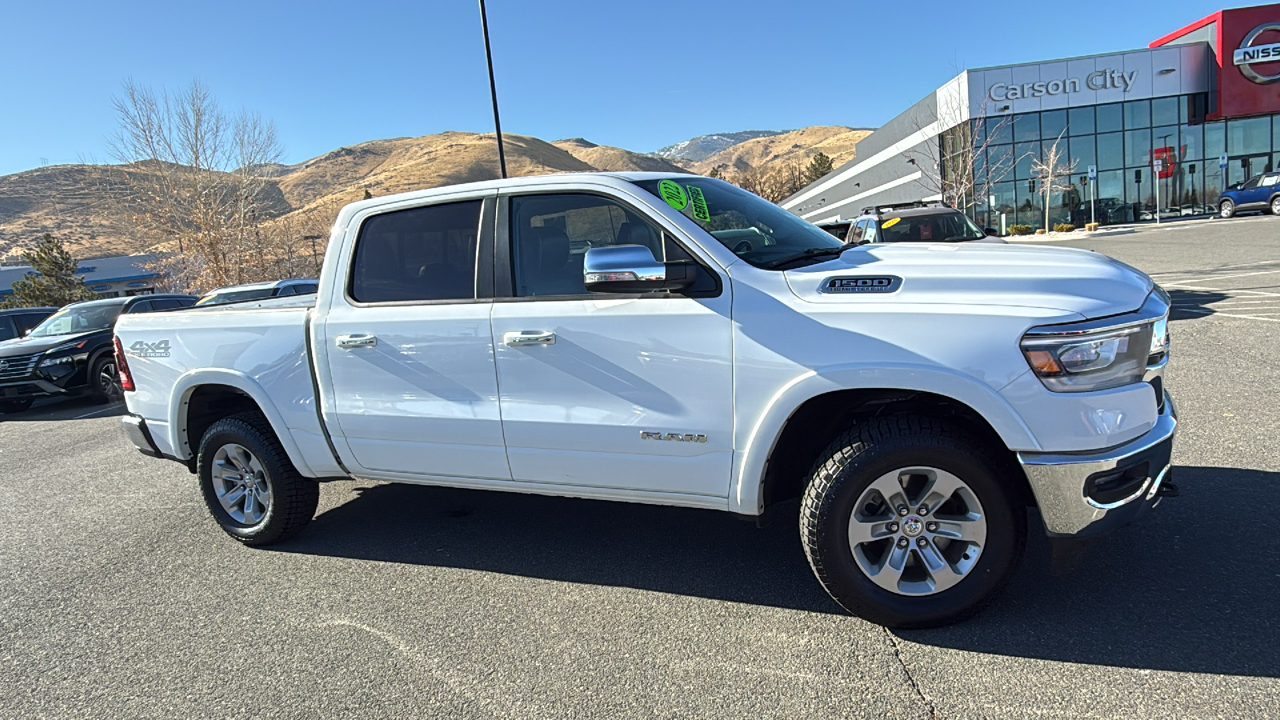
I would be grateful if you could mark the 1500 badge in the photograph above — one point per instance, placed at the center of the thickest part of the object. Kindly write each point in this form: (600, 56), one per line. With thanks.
(150, 350)
(673, 437)
(880, 284)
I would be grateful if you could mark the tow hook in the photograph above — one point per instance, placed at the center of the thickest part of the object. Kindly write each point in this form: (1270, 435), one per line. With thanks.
(1167, 489)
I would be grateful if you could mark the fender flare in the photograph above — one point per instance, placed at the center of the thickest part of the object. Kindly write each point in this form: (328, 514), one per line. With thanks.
(187, 384)
(746, 493)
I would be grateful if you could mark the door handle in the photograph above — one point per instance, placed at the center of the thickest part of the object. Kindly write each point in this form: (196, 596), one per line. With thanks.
(348, 342)
(529, 337)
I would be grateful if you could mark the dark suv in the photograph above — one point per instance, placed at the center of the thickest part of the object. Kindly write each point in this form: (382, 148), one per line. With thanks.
(916, 223)
(19, 321)
(71, 352)
(1260, 192)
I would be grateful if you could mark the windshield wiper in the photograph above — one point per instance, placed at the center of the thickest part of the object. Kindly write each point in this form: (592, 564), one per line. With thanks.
(808, 254)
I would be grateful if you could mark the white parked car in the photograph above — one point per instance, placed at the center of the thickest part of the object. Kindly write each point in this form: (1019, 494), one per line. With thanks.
(257, 291)
(598, 336)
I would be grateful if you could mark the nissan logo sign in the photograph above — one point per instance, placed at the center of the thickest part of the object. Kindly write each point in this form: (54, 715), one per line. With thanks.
(1248, 53)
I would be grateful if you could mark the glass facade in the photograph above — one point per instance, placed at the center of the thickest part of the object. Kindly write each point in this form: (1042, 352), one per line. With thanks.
(1123, 140)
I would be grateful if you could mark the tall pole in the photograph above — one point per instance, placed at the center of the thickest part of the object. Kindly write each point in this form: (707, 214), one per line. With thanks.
(493, 90)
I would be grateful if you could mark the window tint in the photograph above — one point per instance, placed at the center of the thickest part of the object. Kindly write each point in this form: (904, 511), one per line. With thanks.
(426, 253)
(871, 234)
(1250, 183)
(855, 232)
(306, 289)
(7, 331)
(28, 321)
(165, 304)
(285, 290)
(142, 307)
(550, 236)
(186, 302)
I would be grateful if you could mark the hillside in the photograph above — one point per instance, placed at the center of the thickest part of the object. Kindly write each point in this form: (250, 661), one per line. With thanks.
(837, 142)
(88, 205)
(704, 146)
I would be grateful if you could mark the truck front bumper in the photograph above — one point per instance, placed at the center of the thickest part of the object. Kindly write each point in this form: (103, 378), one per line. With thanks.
(1083, 494)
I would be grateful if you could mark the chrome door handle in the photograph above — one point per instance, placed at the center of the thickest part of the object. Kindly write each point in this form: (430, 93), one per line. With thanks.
(529, 337)
(347, 342)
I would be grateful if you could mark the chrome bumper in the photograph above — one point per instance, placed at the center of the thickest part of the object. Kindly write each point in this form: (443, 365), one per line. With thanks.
(136, 430)
(1067, 486)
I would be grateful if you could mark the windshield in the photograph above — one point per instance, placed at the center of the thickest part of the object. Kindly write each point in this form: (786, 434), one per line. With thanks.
(932, 227)
(78, 319)
(235, 296)
(755, 229)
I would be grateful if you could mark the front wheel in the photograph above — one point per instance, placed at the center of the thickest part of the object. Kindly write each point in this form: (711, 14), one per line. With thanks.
(249, 485)
(104, 381)
(1226, 209)
(906, 523)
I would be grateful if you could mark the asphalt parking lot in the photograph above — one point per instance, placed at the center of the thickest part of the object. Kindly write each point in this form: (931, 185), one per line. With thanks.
(120, 597)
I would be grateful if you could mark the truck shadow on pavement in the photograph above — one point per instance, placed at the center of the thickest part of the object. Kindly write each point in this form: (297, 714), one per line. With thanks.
(1191, 304)
(1192, 587)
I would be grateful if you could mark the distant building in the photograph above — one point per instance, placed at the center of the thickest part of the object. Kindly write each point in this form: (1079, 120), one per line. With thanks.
(108, 277)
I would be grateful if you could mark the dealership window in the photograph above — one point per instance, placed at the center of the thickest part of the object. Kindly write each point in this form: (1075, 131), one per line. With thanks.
(1000, 162)
(1137, 114)
(1166, 138)
(999, 130)
(1137, 148)
(1080, 151)
(1110, 118)
(1024, 154)
(1111, 151)
(1249, 136)
(1030, 204)
(1275, 133)
(1110, 198)
(1192, 142)
(1215, 139)
(1080, 121)
(979, 132)
(1053, 123)
(1140, 192)
(1026, 127)
(1164, 111)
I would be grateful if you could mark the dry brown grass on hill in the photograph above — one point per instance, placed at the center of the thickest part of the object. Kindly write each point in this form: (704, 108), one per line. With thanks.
(615, 159)
(838, 143)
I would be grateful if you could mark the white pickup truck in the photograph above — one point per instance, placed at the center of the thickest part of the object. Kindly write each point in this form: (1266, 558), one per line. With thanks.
(672, 339)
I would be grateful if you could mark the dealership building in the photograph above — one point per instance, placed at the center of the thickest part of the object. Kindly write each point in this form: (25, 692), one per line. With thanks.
(1160, 130)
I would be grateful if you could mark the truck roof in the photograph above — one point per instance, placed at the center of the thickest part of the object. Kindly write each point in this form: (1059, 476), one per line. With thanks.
(528, 181)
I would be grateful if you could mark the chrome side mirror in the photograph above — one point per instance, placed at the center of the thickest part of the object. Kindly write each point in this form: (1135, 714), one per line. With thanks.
(623, 269)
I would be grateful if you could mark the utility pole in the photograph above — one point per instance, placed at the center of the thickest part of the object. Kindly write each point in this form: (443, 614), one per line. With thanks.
(493, 90)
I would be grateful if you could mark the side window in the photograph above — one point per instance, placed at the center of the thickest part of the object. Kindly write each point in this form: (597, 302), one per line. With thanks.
(186, 302)
(165, 304)
(1251, 183)
(426, 253)
(856, 232)
(306, 289)
(550, 236)
(1270, 180)
(870, 235)
(142, 307)
(286, 290)
(27, 322)
(7, 331)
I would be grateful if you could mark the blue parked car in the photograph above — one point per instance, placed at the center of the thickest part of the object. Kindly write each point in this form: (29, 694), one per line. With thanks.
(1261, 192)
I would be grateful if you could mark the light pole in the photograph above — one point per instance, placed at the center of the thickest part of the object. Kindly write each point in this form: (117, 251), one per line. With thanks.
(493, 90)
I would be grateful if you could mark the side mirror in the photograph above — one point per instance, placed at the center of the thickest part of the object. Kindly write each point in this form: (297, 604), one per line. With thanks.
(991, 232)
(630, 269)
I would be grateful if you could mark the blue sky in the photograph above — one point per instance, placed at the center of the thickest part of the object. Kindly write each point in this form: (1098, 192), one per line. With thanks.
(639, 75)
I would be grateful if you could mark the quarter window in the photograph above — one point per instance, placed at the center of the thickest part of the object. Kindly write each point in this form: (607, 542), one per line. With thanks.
(420, 254)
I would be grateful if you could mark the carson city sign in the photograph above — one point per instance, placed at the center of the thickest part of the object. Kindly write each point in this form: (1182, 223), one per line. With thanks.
(1098, 80)
(1248, 53)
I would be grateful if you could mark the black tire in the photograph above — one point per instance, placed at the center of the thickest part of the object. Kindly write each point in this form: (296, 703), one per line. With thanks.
(1275, 205)
(1226, 209)
(98, 389)
(293, 497)
(14, 406)
(877, 447)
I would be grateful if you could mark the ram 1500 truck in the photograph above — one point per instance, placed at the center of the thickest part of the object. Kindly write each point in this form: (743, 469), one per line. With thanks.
(673, 339)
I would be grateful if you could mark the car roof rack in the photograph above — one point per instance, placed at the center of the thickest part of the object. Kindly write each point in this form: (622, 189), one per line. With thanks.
(890, 207)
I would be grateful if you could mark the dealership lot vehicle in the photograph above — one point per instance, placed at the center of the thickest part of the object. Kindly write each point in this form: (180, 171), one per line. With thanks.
(70, 352)
(1261, 192)
(257, 291)
(916, 223)
(604, 336)
(17, 322)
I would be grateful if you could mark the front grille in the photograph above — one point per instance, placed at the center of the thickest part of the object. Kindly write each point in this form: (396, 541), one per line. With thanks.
(18, 368)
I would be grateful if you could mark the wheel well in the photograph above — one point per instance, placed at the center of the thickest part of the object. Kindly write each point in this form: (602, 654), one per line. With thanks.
(816, 424)
(208, 404)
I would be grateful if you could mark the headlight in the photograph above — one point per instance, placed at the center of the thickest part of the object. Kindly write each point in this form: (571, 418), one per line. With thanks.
(64, 360)
(1099, 354)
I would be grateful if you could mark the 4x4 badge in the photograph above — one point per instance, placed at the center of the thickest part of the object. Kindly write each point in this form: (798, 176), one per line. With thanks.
(159, 348)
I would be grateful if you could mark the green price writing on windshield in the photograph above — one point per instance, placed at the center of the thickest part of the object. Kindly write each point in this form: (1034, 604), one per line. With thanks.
(673, 194)
(700, 209)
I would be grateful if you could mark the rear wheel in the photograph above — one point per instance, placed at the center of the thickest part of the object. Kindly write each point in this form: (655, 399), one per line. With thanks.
(249, 485)
(14, 406)
(1275, 205)
(1226, 208)
(907, 524)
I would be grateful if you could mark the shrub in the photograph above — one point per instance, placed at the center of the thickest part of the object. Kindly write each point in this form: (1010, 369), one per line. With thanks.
(1019, 229)
(1041, 231)
(1064, 227)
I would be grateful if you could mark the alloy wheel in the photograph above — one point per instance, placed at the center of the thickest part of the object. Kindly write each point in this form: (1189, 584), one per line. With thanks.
(240, 484)
(109, 382)
(1226, 209)
(917, 531)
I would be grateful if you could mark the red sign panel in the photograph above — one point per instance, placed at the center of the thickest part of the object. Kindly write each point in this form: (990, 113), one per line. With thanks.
(1248, 55)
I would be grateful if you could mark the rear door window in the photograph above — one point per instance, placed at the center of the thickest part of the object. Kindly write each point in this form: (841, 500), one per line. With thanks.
(142, 307)
(26, 322)
(419, 254)
(871, 234)
(7, 330)
(165, 304)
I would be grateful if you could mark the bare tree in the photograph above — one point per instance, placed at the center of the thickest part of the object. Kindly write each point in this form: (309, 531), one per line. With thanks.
(1052, 171)
(949, 166)
(773, 184)
(196, 186)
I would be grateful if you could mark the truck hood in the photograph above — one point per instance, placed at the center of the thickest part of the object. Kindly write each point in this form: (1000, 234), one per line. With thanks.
(1058, 279)
(29, 345)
